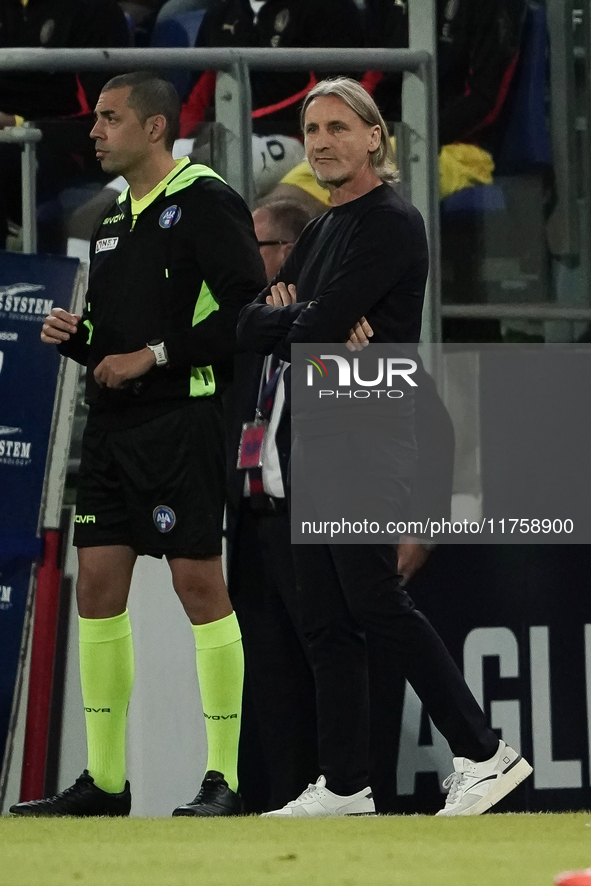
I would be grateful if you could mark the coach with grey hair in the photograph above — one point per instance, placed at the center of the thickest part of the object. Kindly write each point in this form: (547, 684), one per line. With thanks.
(366, 259)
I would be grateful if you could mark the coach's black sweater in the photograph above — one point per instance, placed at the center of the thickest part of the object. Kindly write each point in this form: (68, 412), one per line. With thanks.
(367, 258)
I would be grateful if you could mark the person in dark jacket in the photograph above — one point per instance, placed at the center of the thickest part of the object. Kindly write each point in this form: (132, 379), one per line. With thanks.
(55, 24)
(172, 263)
(59, 103)
(477, 49)
(276, 96)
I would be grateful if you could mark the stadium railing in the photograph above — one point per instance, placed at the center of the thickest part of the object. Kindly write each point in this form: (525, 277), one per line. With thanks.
(233, 109)
(26, 136)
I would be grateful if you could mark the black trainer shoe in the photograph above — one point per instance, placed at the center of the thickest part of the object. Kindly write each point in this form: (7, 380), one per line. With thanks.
(82, 799)
(214, 798)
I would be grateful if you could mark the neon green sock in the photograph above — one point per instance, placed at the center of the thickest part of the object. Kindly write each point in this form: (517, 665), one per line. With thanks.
(220, 668)
(106, 675)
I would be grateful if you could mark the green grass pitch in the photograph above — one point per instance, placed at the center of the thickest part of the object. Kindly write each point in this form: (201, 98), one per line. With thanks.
(492, 850)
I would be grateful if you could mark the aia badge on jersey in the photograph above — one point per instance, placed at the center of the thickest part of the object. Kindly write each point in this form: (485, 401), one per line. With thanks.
(170, 217)
(106, 243)
(164, 518)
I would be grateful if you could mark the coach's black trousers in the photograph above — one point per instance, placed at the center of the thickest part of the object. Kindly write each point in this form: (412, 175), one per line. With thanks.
(278, 675)
(353, 612)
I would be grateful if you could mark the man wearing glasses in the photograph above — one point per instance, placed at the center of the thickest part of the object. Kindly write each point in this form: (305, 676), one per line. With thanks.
(281, 751)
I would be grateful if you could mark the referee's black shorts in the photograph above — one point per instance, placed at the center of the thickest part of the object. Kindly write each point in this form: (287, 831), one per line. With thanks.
(157, 487)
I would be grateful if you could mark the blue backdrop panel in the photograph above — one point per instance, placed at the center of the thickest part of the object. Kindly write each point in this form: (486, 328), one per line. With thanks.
(14, 583)
(30, 286)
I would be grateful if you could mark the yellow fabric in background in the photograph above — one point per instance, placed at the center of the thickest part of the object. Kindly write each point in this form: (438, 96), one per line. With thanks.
(460, 166)
(463, 166)
(302, 177)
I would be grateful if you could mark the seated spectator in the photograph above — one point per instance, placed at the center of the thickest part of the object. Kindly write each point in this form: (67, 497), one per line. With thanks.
(276, 96)
(477, 48)
(141, 10)
(477, 51)
(299, 185)
(141, 16)
(60, 103)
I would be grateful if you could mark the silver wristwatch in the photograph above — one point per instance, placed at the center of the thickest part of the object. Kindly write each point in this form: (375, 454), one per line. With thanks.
(159, 351)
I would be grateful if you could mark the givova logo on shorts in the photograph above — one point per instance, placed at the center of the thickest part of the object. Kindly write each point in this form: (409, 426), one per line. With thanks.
(164, 518)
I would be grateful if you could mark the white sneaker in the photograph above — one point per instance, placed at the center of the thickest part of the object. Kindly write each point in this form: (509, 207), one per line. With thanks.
(475, 787)
(318, 802)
